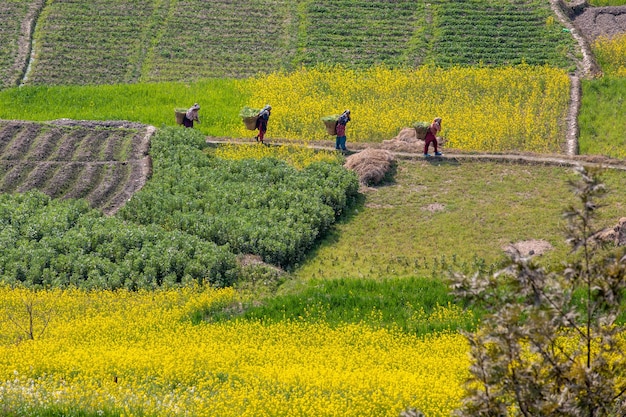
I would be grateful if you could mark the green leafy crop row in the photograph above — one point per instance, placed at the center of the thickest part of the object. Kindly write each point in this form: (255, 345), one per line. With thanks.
(264, 207)
(52, 243)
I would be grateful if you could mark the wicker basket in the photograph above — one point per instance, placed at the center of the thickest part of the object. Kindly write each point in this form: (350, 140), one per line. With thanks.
(331, 127)
(180, 115)
(421, 129)
(250, 122)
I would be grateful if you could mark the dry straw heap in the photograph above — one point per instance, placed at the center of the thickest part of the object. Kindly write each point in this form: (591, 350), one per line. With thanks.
(371, 165)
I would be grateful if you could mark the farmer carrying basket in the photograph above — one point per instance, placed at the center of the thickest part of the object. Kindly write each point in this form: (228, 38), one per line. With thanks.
(343, 120)
(261, 123)
(191, 115)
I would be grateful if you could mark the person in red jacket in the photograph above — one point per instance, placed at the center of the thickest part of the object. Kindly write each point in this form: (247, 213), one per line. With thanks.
(343, 120)
(431, 136)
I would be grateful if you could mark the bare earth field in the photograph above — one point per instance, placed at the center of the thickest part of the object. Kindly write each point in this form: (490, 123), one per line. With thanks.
(594, 22)
(103, 162)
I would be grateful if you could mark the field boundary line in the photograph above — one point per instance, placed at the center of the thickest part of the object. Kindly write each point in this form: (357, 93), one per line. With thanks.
(25, 44)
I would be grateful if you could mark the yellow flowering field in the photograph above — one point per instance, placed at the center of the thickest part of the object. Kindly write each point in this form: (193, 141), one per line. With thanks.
(489, 109)
(611, 54)
(137, 354)
(297, 156)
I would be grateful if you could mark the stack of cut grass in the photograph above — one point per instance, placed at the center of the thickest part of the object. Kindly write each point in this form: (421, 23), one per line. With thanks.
(180, 114)
(421, 128)
(371, 165)
(249, 117)
(331, 123)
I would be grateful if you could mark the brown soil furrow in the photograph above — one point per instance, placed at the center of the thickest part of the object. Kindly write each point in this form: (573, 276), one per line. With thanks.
(64, 159)
(69, 144)
(7, 133)
(15, 176)
(39, 176)
(21, 142)
(63, 179)
(111, 180)
(91, 146)
(141, 143)
(45, 145)
(111, 146)
(5, 167)
(87, 181)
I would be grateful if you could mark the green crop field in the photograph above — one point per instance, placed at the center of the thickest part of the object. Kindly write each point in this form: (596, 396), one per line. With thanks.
(107, 42)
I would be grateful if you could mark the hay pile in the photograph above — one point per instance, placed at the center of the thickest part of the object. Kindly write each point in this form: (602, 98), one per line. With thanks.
(409, 139)
(406, 141)
(371, 165)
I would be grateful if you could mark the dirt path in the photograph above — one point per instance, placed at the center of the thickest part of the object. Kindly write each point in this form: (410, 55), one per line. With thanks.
(25, 49)
(452, 156)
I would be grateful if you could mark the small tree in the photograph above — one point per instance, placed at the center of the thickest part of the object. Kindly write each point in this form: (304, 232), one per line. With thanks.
(30, 322)
(549, 344)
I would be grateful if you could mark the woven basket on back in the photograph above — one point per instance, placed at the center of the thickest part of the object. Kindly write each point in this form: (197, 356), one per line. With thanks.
(180, 115)
(331, 127)
(421, 130)
(250, 122)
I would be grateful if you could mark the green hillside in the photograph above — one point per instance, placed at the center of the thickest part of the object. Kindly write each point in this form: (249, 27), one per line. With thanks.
(114, 41)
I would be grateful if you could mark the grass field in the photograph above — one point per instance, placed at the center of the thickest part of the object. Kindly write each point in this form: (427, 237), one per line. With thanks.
(601, 121)
(450, 215)
(220, 100)
(607, 2)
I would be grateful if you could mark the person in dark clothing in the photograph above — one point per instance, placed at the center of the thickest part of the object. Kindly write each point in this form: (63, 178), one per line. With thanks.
(343, 120)
(191, 116)
(261, 123)
(431, 136)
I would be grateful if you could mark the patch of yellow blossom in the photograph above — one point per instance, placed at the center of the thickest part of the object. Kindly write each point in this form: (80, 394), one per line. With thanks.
(611, 54)
(297, 156)
(134, 354)
(489, 109)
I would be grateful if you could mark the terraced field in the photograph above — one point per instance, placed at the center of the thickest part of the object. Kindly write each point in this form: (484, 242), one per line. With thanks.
(216, 38)
(91, 42)
(363, 33)
(470, 32)
(108, 42)
(103, 163)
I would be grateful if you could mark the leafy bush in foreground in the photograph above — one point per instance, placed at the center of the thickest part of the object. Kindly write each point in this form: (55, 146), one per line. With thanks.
(264, 207)
(52, 243)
